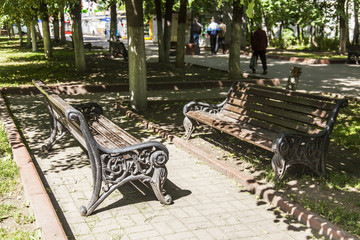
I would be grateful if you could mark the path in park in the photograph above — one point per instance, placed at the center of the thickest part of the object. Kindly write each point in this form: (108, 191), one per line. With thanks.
(333, 78)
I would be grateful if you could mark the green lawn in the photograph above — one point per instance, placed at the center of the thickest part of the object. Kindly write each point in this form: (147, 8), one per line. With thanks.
(15, 216)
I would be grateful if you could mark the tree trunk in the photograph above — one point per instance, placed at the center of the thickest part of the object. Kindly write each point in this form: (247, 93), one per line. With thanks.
(77, 35)
(160, 31)
(342, 37)
(313, 37)
(37, 29)
(180, 46)
(18, 24)
(234, 56)
(167, 29)
(33, 35)
(62, 20)
(28, 36)
(10, 30)
(137, 59)
(46, 29)
(56, 27)
(356, 39)
(113, 22)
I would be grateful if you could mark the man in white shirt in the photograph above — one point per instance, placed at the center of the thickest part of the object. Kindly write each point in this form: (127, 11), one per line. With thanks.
(213, 30)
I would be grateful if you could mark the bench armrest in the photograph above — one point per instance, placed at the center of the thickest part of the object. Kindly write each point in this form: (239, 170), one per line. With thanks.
(200, 106)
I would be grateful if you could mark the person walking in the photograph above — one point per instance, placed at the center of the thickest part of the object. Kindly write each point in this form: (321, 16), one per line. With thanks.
(259, 44)
(213, 30)
(196, 28)
(221, 35)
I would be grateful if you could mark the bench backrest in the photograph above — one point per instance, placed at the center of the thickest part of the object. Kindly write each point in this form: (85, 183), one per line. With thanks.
(279, 110)
(353, 49)
(59, 108)
(102, 131)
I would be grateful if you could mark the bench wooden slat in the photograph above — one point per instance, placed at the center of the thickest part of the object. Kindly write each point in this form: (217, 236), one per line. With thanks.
(280, 121)
(256, 122)
(110, 135)
(279, 109)
(295, 94)
(297, 100)
(248, 132)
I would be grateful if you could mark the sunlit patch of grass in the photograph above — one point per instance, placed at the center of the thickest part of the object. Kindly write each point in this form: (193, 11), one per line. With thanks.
(347, 128)
(9, 186)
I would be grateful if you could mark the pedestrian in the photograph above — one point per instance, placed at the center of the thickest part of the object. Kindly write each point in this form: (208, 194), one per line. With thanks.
(221, 35)
(213, 30)
(196, 28)
(259, 44)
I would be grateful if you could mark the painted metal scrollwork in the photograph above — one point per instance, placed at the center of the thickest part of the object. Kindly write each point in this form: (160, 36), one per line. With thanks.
(304, 149)
(112, 168)
(190, 124)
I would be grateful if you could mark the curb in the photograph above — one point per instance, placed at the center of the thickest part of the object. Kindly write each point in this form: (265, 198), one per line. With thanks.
(312, 220)
(304, 60)
(35, 192)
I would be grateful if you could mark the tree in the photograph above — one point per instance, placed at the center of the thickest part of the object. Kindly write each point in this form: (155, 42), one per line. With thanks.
(44, 16)
(113, 21)
(180, 47)
(343, 35)
(161, 48)
(76, 29)
(62, 22)
(356, 38)
(33, 35)
(234, 57)
(137, 59)
(167, 29)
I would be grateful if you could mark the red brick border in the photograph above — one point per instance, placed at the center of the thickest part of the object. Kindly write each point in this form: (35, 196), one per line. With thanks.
(45, 214)
(312, 220)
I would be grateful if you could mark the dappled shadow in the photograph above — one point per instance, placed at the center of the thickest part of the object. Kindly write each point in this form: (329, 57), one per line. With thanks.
(136, 192)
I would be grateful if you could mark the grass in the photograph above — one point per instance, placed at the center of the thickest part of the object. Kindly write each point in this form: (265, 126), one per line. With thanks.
(10, 184)
(311, 55)
(19, 66)
(347, 129)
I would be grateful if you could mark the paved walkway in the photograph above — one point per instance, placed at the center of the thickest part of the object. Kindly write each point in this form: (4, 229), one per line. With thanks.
(207, 204)
(333, 78)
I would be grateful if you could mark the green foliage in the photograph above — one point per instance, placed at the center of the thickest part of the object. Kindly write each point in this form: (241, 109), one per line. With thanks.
(19, 234)
(330, 44)
(347, 129)
(9, 173)
(335, 213)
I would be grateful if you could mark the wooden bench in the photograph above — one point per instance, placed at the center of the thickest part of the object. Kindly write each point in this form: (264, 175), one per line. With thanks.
(295, 126)
(87, 45)
(353, 50)
(116, 157)
(117, 48)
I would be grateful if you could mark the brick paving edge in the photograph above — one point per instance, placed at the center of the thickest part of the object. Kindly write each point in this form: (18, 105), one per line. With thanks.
(310, 219)
(35, 192)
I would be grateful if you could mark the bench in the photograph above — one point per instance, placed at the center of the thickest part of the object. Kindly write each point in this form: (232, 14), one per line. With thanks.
(115, 156)
(295, 126)
(87, 45)
(117, 48)
(353, 50)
